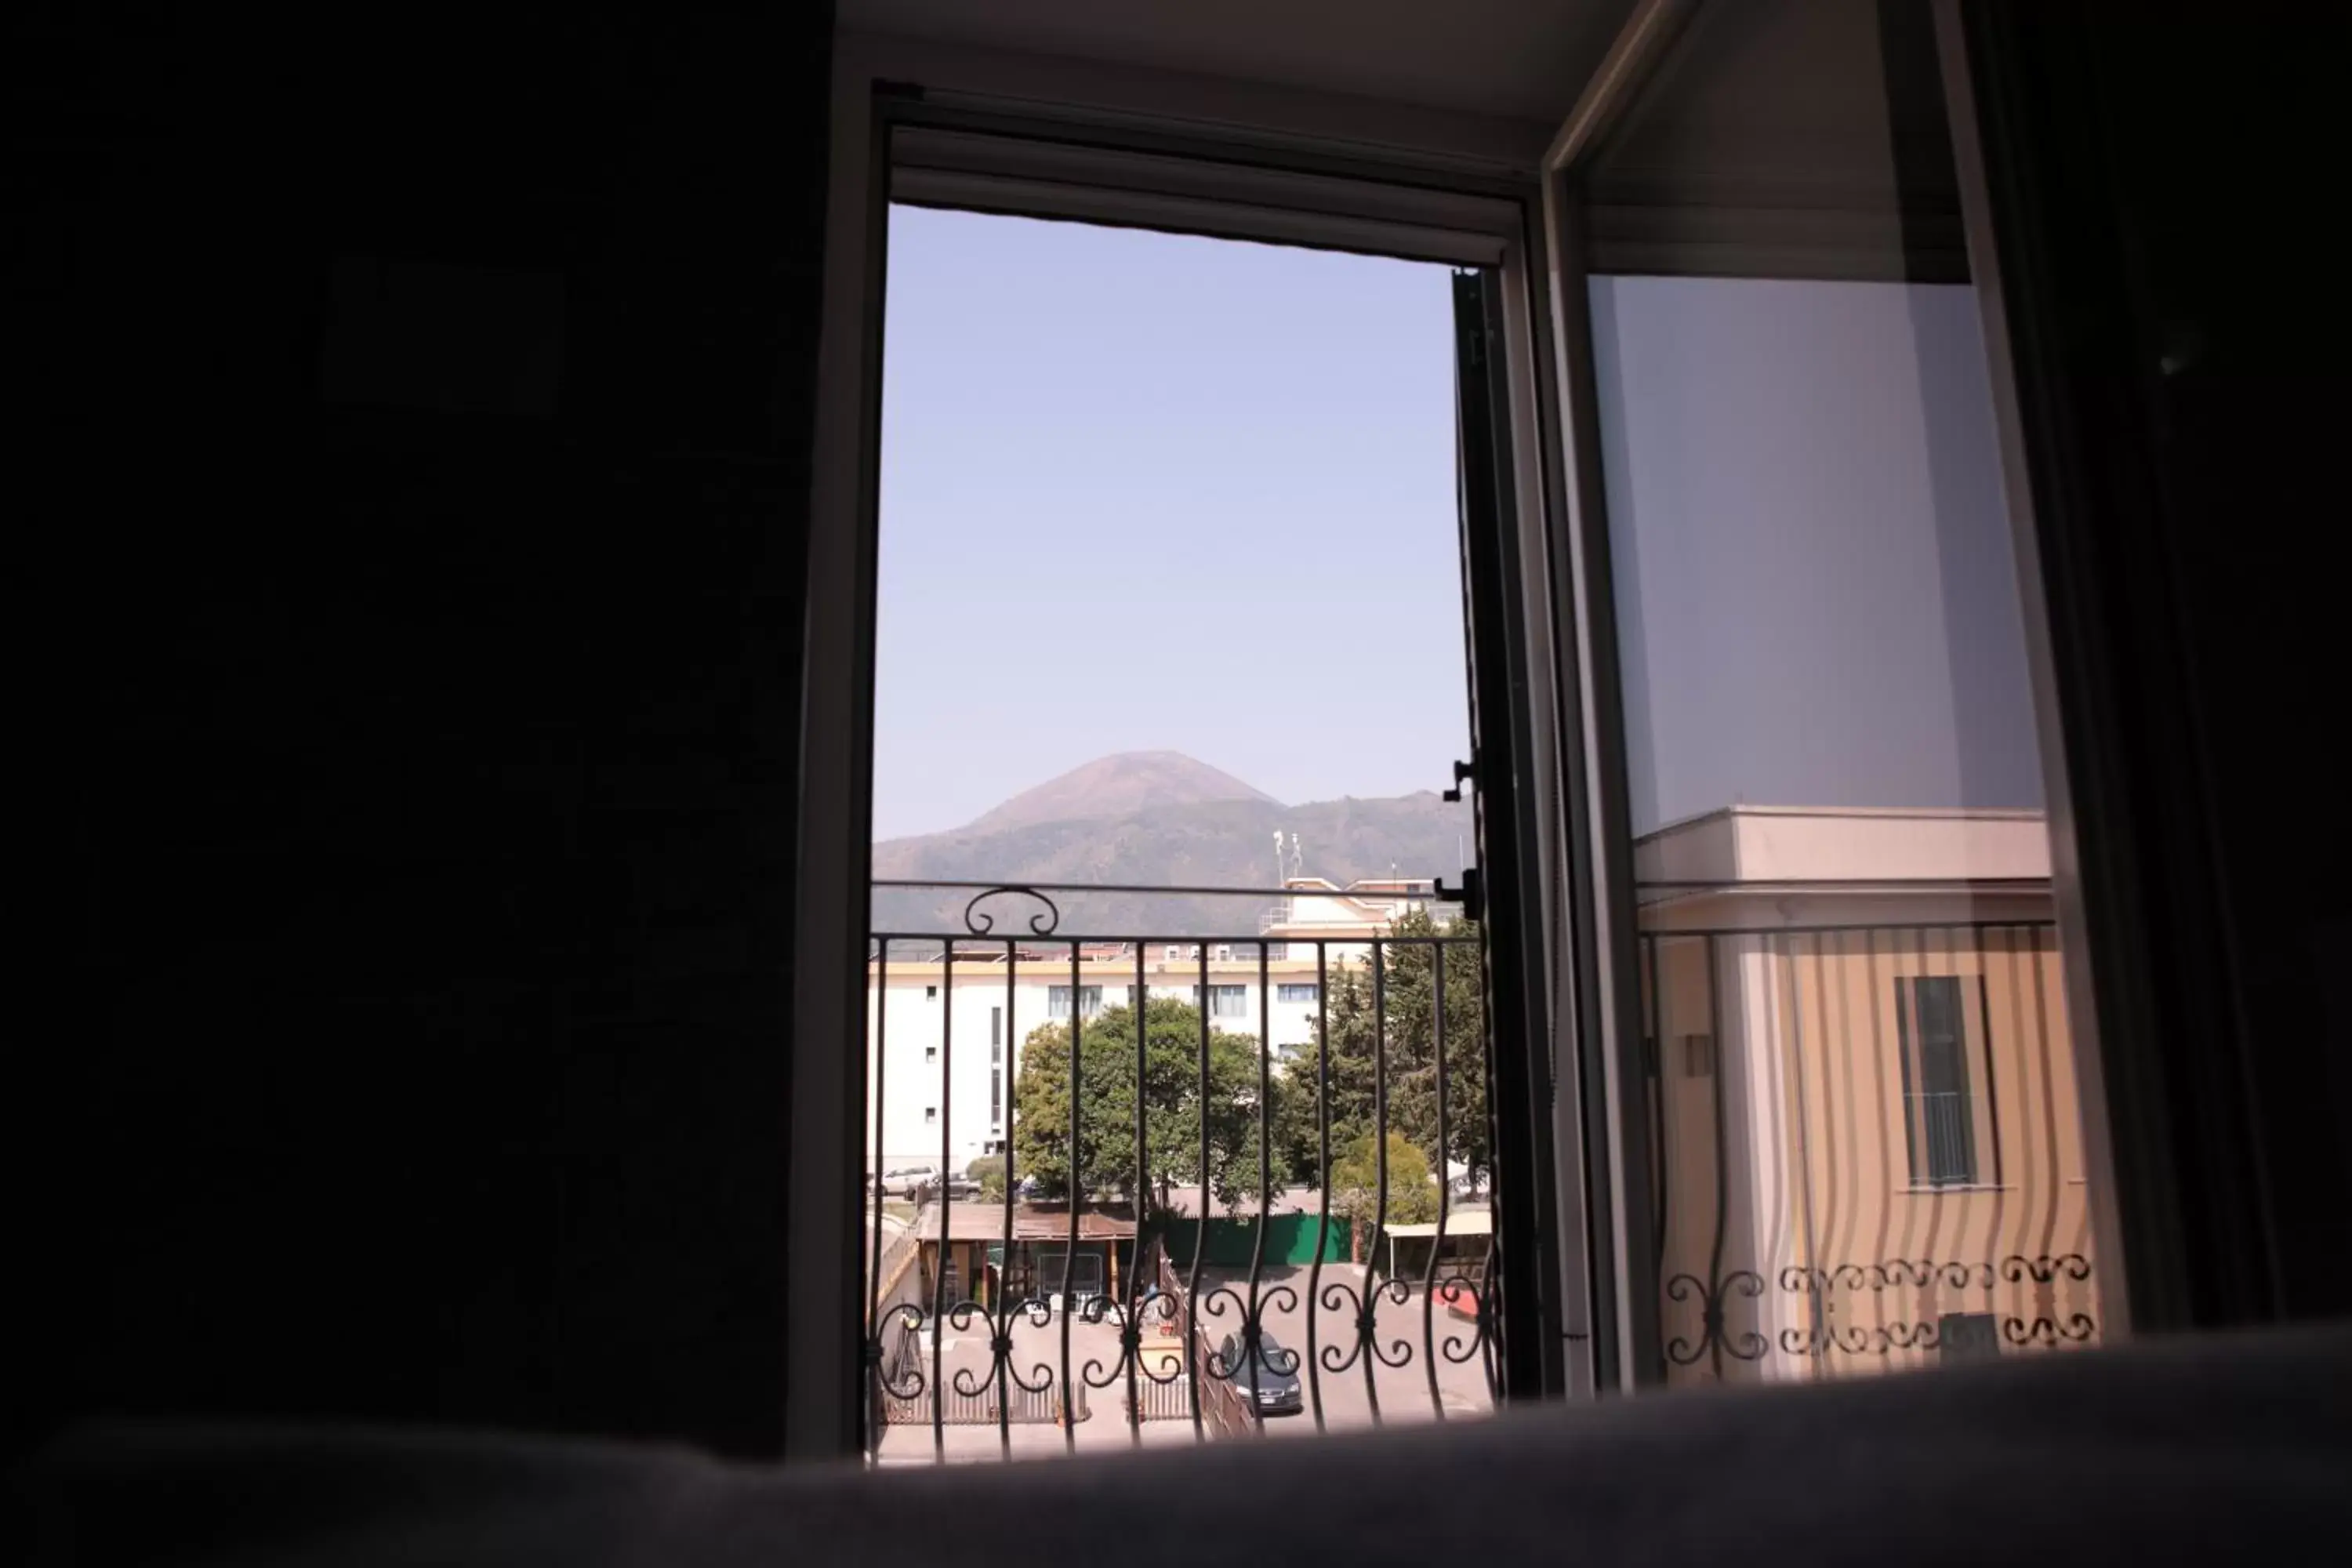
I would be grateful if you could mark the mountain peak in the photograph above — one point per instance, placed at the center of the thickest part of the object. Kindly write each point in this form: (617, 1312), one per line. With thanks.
(1118, 786)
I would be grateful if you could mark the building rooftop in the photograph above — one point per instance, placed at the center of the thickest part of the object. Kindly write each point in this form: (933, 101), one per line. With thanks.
(1789, 865)
(1750, 844)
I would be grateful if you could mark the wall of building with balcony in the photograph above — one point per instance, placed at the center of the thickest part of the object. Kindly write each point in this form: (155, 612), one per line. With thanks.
(1869, 1135)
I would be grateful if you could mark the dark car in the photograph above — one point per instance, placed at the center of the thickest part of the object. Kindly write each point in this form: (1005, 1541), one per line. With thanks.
(1277, 1375)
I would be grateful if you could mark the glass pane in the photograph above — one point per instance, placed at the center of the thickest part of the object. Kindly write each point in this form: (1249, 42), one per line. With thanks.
(1869, 1148)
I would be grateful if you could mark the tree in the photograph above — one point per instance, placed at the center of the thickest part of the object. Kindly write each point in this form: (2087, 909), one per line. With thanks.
(1407, 998)
(989, 1172)
(1107, 1105)
(1355, 1189)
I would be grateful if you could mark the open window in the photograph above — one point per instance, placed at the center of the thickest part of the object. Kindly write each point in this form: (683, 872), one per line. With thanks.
(1482, 998)
(1825, 754)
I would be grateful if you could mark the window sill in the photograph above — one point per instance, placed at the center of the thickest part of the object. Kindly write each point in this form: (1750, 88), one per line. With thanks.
(1926, 1190)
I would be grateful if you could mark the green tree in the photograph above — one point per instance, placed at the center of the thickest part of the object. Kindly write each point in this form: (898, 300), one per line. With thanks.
(1355, 1189)
(1407, 998)
(989, 1172)
(1107, 1105)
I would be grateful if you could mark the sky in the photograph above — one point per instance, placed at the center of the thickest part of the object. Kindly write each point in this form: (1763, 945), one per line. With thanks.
(1816, 593)
(1145, 492)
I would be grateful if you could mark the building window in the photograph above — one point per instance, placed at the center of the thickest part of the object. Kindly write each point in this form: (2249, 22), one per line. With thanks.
(1225, 1001)
(931, 1053)
(1291, 992)
(1940, 1115)
(1172, 952)
(930, 1113)
(1058, 1001)
(931, 993)
(996, 1066)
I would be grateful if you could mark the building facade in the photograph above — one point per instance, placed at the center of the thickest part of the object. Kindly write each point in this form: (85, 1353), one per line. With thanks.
(1868, 1133)
(944, 1039)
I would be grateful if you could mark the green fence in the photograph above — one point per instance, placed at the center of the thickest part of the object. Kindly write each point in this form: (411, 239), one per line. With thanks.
(1289, 1241)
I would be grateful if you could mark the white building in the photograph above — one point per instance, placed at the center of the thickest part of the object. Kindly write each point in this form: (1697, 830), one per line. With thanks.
(943, 1044)
(951, 1093)
(1347, 919)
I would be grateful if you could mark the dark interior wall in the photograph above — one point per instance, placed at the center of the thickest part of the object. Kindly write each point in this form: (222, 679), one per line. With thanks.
(419, 480)
(2176, 302)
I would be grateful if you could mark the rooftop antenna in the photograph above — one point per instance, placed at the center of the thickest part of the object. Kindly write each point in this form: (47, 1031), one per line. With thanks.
(1297, 860)
(1277, 856)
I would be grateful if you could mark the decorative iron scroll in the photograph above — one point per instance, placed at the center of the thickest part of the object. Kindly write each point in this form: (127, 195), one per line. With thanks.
(1826, 1335)
(1712, 1298)
(1044, 922)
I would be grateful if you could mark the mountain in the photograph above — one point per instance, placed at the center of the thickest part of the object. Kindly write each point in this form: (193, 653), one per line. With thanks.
(1126, 784)
(1226, 841)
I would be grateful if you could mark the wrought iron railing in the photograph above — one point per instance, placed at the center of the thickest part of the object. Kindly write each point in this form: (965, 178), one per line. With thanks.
(1807, 1220)
(1346, 1324)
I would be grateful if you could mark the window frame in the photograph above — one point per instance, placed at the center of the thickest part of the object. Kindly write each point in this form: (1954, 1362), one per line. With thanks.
(1223, 992)
(1972, 1067)
(1088, 999)
(1610, 1116)
(1025, 149)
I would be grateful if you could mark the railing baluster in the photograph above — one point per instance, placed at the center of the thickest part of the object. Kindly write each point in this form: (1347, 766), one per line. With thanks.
(1078, 1196)
(1253, 1329)
(1662, 1160)
(1808, 1230)
(1322, 1169)
(1143, 1188)
(874, 1196)
(943, 1197)
(1445, 1182)
(1001, 1349)
(1194, 1346)
(1366, 1331)
(1722, 1161)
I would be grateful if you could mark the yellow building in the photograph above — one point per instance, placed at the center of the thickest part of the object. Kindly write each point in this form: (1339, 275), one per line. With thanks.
(1869, 1148)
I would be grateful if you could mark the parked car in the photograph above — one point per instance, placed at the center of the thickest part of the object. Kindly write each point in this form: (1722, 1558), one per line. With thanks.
(906, 1181)
(1279, 1392)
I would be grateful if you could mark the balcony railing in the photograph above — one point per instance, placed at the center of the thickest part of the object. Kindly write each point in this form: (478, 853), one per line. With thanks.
(972, 1335)
(1814, 1214)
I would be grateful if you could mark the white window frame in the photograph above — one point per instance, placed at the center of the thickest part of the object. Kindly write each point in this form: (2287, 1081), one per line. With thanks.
(1611, 1057)
(1323, 170)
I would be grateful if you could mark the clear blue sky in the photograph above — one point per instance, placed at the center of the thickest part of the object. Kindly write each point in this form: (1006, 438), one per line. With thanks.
(1144, 491)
